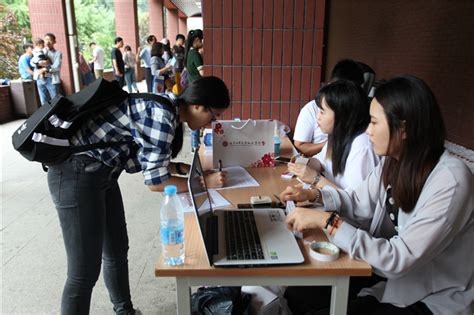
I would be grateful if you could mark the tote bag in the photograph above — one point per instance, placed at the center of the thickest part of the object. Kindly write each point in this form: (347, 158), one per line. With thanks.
(247, 143)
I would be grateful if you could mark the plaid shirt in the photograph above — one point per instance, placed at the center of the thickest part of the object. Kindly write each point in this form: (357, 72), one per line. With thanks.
(149, 124)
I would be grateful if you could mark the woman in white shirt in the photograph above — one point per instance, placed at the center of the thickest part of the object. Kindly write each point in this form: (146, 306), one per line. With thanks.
(347, 158)
(413, 216)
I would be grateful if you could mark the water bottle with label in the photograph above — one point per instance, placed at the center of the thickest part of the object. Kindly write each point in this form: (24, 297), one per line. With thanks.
(172, 228)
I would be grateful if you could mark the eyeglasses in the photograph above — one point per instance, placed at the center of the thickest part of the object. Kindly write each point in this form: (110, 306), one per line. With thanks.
(213, 115)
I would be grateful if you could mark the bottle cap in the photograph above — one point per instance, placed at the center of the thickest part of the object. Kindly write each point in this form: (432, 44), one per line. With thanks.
(170, 190)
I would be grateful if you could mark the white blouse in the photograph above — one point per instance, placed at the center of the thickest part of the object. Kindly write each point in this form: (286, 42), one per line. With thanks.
(360, 162)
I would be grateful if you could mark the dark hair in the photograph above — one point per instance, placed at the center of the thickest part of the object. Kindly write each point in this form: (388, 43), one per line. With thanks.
(117, 40)
(92, 43)
(410, 107)
(210, 92)
(51, 35)
(180, 36)
(150, 38)
(127, 48)
(27, 45)
(157, 49)
(347, 69)
(192, 35)
(39, 41)
(351, 118)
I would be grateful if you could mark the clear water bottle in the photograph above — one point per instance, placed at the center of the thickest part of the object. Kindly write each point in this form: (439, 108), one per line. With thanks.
(195, 139)
(172, 228)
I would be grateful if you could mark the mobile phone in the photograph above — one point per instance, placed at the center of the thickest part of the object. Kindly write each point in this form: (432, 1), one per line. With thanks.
(282, 159)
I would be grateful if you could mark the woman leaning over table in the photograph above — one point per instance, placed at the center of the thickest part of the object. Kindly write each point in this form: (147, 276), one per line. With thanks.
(413, 215)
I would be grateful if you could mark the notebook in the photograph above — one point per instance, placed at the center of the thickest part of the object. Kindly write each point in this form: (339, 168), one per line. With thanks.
(241, 237)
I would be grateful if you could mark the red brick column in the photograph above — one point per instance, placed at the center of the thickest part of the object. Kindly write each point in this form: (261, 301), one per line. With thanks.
(126, 22)
(155, 8)
(172, 22)
(270, 61)
(126, 26)
(49, 16)
(182, 27)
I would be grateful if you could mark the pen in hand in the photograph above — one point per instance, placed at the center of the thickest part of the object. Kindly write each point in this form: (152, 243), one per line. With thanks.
(220, 165)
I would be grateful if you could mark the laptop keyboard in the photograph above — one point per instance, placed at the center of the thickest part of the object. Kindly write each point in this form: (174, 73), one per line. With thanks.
(242, 240)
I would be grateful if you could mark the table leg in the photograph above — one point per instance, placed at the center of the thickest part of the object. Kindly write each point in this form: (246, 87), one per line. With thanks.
(183, 296)
(339, 296)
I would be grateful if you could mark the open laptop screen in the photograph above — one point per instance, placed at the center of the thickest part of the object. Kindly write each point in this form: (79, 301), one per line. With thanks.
(202, 206)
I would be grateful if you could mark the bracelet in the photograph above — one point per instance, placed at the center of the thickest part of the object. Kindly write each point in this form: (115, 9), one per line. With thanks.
(331, 219)
(318, 196)
(333, 226)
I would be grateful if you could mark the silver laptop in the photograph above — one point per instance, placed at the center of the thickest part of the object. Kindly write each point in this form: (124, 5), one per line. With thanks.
(241, 237)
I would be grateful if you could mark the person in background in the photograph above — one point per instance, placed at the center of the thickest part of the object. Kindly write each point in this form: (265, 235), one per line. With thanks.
(86, 192)
(308, 137)
(145, 55)
(347, 158)
(411, 219)
(159, 69)
(117, 62)
(195, 70)
(179, 52)
(39, 60)
(97, 60)
(130, 63)
(86, 73)
(48, 75)
(167, 54)
(24, 67)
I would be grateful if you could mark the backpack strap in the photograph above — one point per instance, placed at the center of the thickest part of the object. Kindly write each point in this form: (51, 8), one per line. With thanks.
(98, 145)
(157, 98)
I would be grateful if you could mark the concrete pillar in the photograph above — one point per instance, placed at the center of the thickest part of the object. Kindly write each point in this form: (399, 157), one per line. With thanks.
(155, 9)
(172, 24)
(50, 17)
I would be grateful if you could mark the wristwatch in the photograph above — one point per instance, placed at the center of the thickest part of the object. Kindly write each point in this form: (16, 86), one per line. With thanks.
(316, 179)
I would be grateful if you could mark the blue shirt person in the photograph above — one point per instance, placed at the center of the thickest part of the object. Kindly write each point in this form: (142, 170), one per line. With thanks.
(26, 72)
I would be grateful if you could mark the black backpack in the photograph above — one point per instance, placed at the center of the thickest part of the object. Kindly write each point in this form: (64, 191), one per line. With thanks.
(44, 137)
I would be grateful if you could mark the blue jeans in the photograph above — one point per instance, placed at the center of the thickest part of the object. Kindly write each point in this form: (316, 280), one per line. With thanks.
(92, 218)
(46, 89)
(130, 79)
(149, 80)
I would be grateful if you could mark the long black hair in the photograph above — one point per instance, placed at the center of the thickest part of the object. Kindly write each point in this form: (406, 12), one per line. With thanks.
(411, 108)
(210, 92)
(351, 118)
(192, 35)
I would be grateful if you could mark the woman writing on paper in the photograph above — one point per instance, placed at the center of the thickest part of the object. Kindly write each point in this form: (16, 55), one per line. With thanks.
(347, 157)
(86, 191)
(413, 215)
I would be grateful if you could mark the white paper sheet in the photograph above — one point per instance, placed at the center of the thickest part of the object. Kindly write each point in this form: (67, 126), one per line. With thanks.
(217, 201)
(238, 177)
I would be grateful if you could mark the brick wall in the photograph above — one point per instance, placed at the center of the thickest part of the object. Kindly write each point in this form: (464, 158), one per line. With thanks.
(433, 40)
(270, 61)
(49, 16)
(6, 108)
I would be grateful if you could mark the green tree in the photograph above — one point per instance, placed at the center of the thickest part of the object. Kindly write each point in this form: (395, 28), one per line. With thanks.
(12, 34)
(95, 22)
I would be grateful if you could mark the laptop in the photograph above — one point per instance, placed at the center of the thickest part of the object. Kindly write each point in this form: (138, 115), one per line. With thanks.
(241, 237)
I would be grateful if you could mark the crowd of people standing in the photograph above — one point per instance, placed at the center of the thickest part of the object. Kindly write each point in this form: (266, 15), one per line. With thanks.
(166, 68)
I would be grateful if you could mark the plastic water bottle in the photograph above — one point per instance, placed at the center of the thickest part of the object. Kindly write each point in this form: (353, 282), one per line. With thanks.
(195, 139)
(172, 228)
